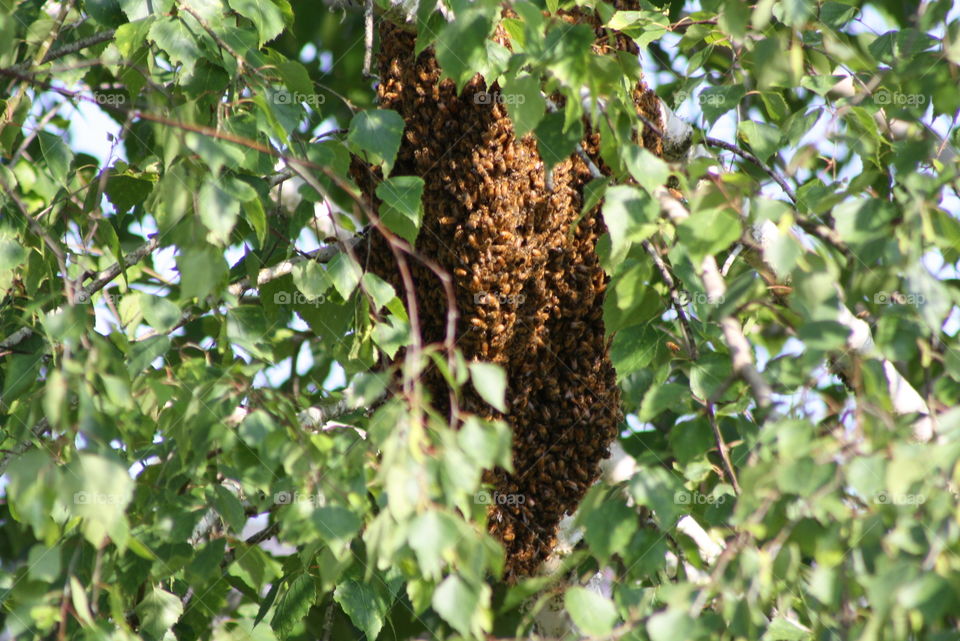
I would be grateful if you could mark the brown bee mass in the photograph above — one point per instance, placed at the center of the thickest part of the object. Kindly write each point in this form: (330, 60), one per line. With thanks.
(529, 293)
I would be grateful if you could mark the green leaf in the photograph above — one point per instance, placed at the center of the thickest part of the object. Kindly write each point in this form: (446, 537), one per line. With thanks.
(230, 509)
(707, 232)
(144, 352)
(609, 527)
(461, 46)
(177, 41)
(345, 274)
(126, 191)
(207, 561)
(432, 537)
(159, 312)
(203, 270)
(247, 328)
(57, 156)
(265, 16)
(257, 218)
(709, 373)
(218, 212)
(158, 611)
(293, 606)
(930, 296)
(44, 563)
(364, 605)
(555, 144)
(256, 427)
(296, 77)
(780, 629)
(401, 210)
(643, 26)
(490, 381)
(630, 215)
(593, 613)
(487, 443)
(649, 171)
(795, 13)
(377, 132)
(336, 524)
(672, 624)
(310, 278)
(20, 374)
(525, 103)
(99, 491)
(837, 14)
(463, 606)
(734, 19)
(378, 289)
(781, 251)
(669, 396)
(716, 101)
(137, 9)
(32, 490)
(763, 138)
(391, 335)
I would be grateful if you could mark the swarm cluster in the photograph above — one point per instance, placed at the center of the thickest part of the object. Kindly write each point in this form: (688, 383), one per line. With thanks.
(528, 292)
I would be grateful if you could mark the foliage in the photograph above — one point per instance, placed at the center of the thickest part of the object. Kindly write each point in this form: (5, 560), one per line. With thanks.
(176, 362)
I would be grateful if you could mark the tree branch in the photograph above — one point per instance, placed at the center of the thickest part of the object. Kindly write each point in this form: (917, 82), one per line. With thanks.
(84, 294)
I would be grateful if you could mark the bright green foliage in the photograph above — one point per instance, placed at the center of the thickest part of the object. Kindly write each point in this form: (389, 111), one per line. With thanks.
(163, 366)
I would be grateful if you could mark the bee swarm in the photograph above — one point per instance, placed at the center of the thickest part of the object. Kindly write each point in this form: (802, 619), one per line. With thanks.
(529, 293)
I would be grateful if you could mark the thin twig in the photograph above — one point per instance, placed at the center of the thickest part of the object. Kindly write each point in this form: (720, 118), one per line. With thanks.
(746, 155)
(741, 353)
(722, 446)
(674, 297)
(79, 45)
